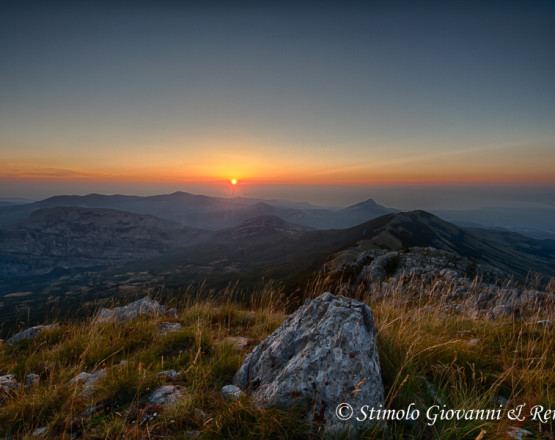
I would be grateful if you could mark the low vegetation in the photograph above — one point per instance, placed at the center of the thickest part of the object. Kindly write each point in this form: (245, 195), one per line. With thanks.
(428, 357)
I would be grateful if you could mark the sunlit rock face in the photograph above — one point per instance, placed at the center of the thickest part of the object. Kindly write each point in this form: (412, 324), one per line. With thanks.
(323, 354)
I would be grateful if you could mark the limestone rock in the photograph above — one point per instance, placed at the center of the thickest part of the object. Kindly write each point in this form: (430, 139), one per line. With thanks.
(325, 353)
(144, 306)
(29, 333)
(166, 395)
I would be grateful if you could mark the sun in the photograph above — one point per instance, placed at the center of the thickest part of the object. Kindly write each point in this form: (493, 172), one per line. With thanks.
(233, 181)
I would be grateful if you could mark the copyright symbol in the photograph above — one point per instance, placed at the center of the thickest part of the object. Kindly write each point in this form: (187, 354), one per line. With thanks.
(344, 411)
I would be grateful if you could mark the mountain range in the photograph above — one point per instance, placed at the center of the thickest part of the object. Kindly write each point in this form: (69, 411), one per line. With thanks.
(80, 248)
(205, 212)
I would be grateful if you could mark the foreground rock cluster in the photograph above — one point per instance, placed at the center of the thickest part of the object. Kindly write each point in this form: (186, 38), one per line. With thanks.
(322, 355)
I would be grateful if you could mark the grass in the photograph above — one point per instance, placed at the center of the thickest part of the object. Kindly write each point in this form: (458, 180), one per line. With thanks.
(428, 357)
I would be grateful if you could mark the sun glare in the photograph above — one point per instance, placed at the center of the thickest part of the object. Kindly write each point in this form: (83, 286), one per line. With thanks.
(233, 181)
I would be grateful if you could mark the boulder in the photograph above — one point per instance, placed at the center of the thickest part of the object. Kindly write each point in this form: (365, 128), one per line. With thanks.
(29, 333)
(322, 355)
(144, 306)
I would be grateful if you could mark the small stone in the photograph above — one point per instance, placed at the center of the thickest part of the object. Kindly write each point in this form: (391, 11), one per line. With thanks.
(171, 313)
(166, 395)
(40, 431)
(169, 374)
(499, 401)
(518, 433)
(473, 342)
(89, 381)
(8, 384)
(80, 378)
(31, 380)
(546, 323)
(239, 342)
(169, 327)
(200, 414)
(231, 392)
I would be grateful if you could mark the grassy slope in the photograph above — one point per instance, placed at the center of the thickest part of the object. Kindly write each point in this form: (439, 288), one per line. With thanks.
(425, 359)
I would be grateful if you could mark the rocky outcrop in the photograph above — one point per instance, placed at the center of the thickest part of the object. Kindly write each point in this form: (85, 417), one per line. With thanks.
(463, 285)
(426, 264)
(29, 333)
(144, 306)
(323, 354)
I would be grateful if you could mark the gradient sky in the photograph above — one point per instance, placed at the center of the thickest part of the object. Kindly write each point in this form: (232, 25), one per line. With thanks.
(149, 95)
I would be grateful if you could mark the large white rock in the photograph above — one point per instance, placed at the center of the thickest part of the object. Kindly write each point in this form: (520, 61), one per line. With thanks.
(325, 354)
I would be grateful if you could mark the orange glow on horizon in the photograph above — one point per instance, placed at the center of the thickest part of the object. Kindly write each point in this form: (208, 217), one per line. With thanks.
(248, 173)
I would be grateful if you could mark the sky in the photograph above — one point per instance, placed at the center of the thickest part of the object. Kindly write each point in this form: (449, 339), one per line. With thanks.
(328, 102)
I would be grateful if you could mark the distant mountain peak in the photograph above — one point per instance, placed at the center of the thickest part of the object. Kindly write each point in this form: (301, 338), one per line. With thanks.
(368, 205)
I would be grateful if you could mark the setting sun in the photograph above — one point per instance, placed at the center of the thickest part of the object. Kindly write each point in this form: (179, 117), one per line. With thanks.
(234, 181)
